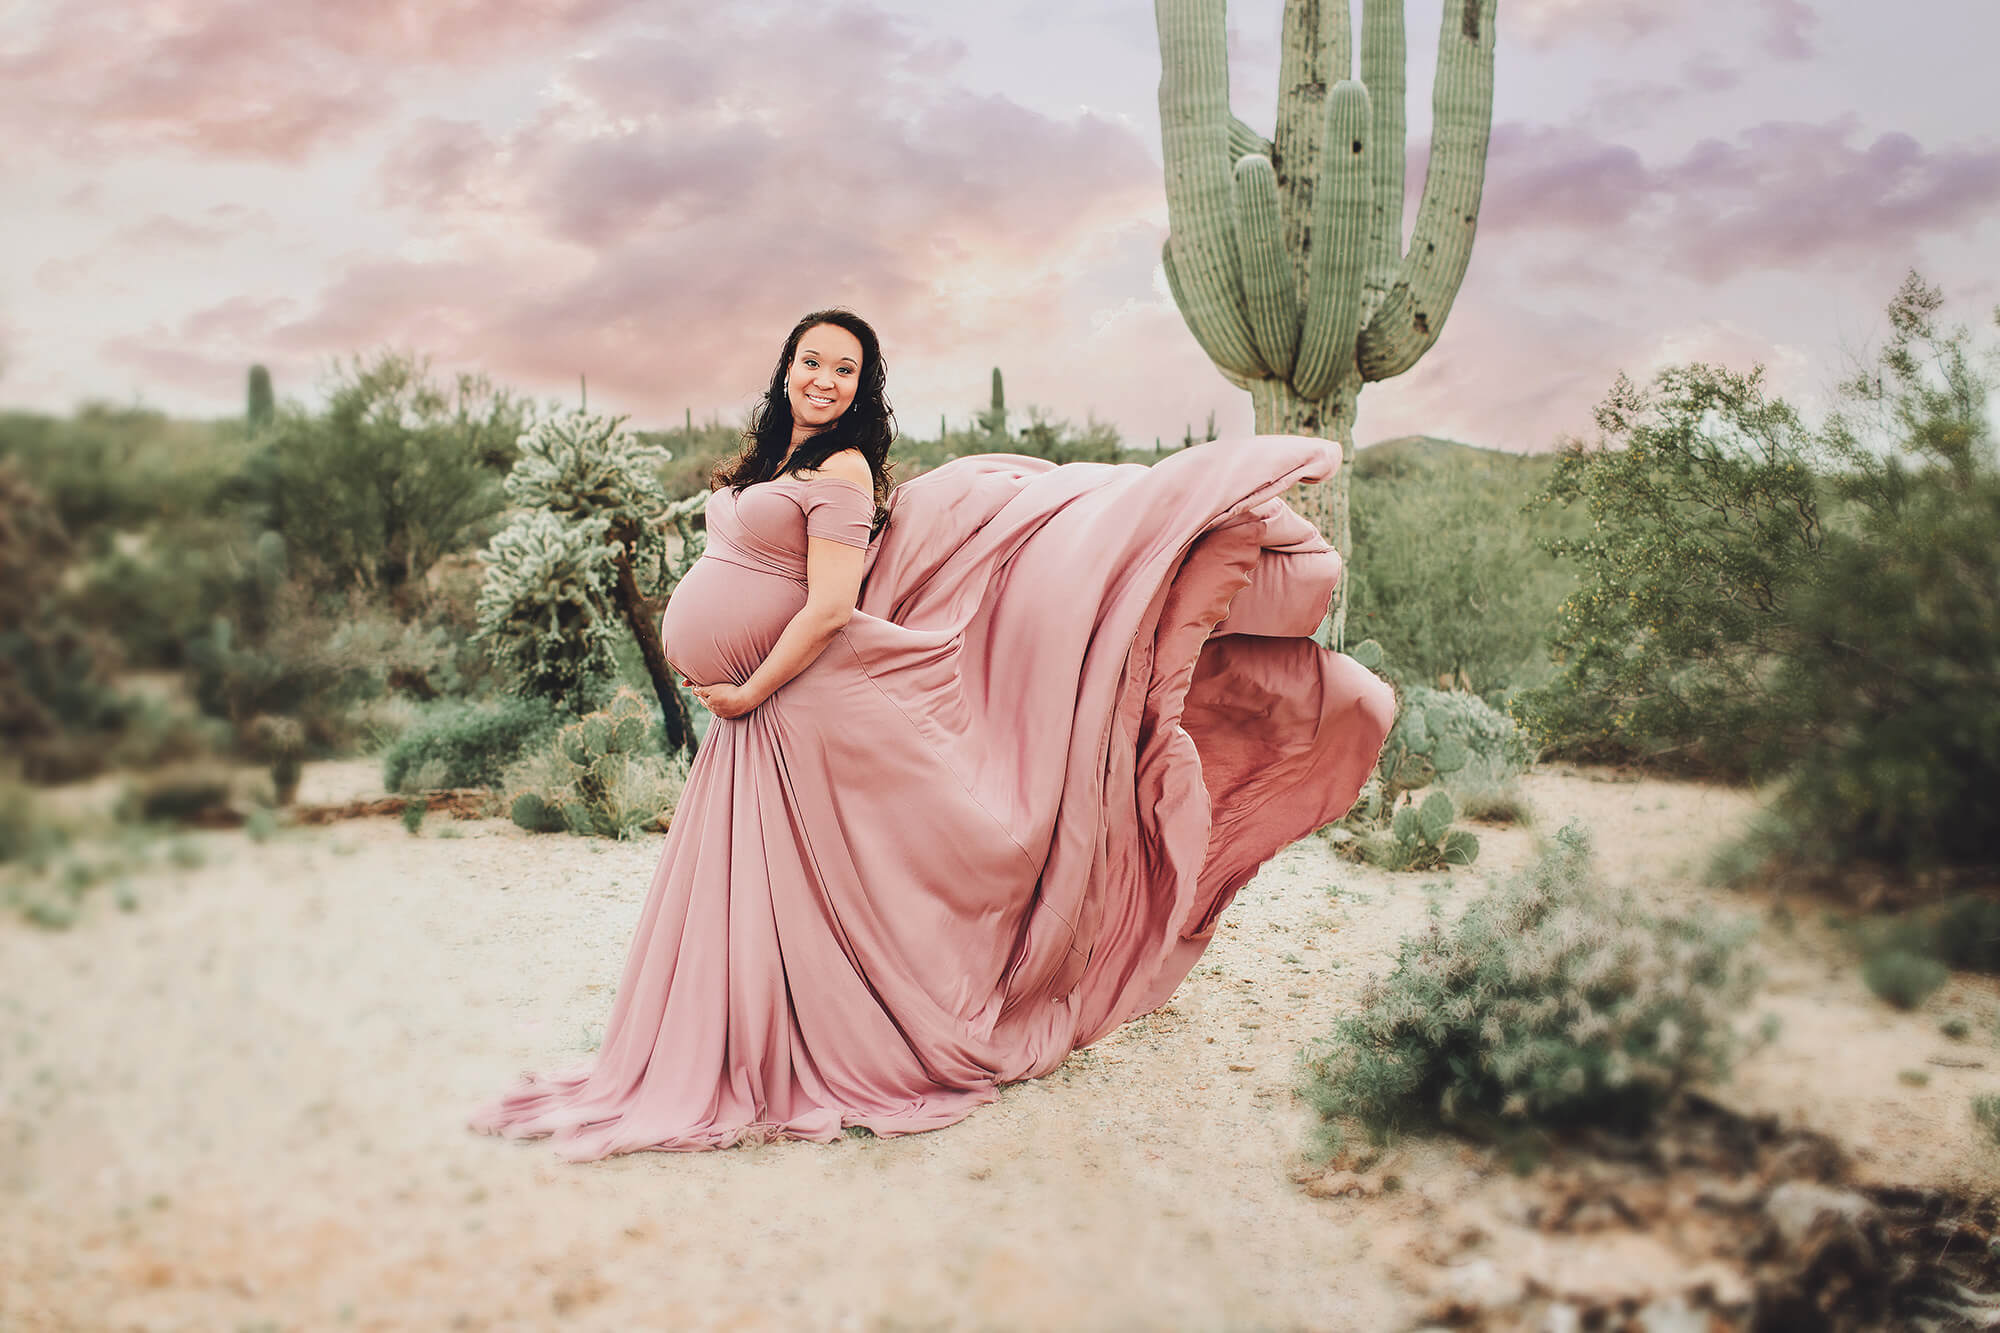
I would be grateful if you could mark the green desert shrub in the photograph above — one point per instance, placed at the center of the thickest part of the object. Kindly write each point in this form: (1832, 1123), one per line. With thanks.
(154, 587)
(1961, 933)
(111, 468)
(467, 744)
(603, 774)
(1551, 1002)
(1986, 1114)
(159, 731)
(585, 565)
(27, 835)
(1894, 679)
(176, 794)
(1704, 506)
(1966, 933)
(297, 673)
(1815, 607)
(1489, 793)
(1902, 977)
(1449, 575)
(400, 468)
(58, 703)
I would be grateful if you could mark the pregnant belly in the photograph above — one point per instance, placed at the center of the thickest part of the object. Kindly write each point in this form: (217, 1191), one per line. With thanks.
(723, 618)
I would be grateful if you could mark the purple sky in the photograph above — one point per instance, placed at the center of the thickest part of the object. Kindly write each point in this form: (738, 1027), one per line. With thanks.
(649, 194)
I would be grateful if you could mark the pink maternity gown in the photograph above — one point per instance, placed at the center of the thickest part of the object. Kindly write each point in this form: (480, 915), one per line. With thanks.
(997, 817)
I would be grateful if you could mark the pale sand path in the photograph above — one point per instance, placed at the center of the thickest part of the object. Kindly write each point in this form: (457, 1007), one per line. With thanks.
(240, 1107)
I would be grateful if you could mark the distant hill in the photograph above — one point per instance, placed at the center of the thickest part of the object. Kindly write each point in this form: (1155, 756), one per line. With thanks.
(1410, 454)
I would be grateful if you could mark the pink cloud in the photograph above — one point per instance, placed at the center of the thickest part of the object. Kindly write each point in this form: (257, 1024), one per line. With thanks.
(660, 233)
(1793, 196)
(1787, 24)
(245, 78)
(1779, 196)
(161, 232)
(1547, 22)
(1543, 176)
(1790, 23)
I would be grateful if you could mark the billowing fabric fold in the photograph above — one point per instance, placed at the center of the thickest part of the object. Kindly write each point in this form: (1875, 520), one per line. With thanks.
(1075, 710)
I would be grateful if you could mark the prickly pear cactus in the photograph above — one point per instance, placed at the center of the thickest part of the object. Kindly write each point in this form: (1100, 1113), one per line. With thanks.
(1386, 825)
(1417, 754)
(611, 782)
(1421, 837)
(536, 815)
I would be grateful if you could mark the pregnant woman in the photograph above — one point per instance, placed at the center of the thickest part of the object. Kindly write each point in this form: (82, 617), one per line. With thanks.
(990, 754)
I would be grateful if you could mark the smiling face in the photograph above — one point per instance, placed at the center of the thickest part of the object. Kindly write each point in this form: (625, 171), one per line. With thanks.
(826, 367)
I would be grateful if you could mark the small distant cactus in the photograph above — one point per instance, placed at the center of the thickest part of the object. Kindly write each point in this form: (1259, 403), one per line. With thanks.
(281, 743)
(260, 405)
(994, 419)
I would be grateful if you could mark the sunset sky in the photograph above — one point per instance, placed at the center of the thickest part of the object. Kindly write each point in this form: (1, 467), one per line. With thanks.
(649, 194)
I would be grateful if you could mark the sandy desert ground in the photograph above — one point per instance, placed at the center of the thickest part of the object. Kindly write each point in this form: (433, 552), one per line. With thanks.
(239, 1107)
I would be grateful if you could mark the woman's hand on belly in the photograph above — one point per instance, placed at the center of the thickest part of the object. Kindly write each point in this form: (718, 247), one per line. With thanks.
(725, 699)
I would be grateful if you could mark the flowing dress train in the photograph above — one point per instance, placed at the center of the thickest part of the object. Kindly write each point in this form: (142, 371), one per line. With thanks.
(1074, 711)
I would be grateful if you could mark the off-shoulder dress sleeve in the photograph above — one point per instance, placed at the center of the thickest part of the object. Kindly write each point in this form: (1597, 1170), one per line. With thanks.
(837, 510)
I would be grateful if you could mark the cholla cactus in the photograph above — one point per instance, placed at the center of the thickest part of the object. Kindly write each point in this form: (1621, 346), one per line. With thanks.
(586, 471)
(582, 465)
(545, 609)
(1286, 255)
(682, 514)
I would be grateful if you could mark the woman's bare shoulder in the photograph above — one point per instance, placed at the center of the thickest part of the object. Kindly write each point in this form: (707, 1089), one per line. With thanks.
(847, 465)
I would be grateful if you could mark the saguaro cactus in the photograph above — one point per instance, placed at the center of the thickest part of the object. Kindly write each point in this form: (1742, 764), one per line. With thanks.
(259, 404)
(1286, 255)
(994, 419)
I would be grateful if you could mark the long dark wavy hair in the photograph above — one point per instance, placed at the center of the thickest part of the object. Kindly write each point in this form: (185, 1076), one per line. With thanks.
(868, 424)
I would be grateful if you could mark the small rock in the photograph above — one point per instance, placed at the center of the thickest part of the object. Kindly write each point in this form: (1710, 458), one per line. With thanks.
(1796, 1207)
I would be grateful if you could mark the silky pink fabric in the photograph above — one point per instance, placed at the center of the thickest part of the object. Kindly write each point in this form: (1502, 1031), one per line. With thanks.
(997, 817)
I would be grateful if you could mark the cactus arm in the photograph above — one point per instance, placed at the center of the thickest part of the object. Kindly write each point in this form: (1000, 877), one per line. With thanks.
(1174, 286)
(1383, 57)
(1268, 286)
(1313, 56)
(1340, 238)
(1413, 314)
(1243, 139)
(1194, 137)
